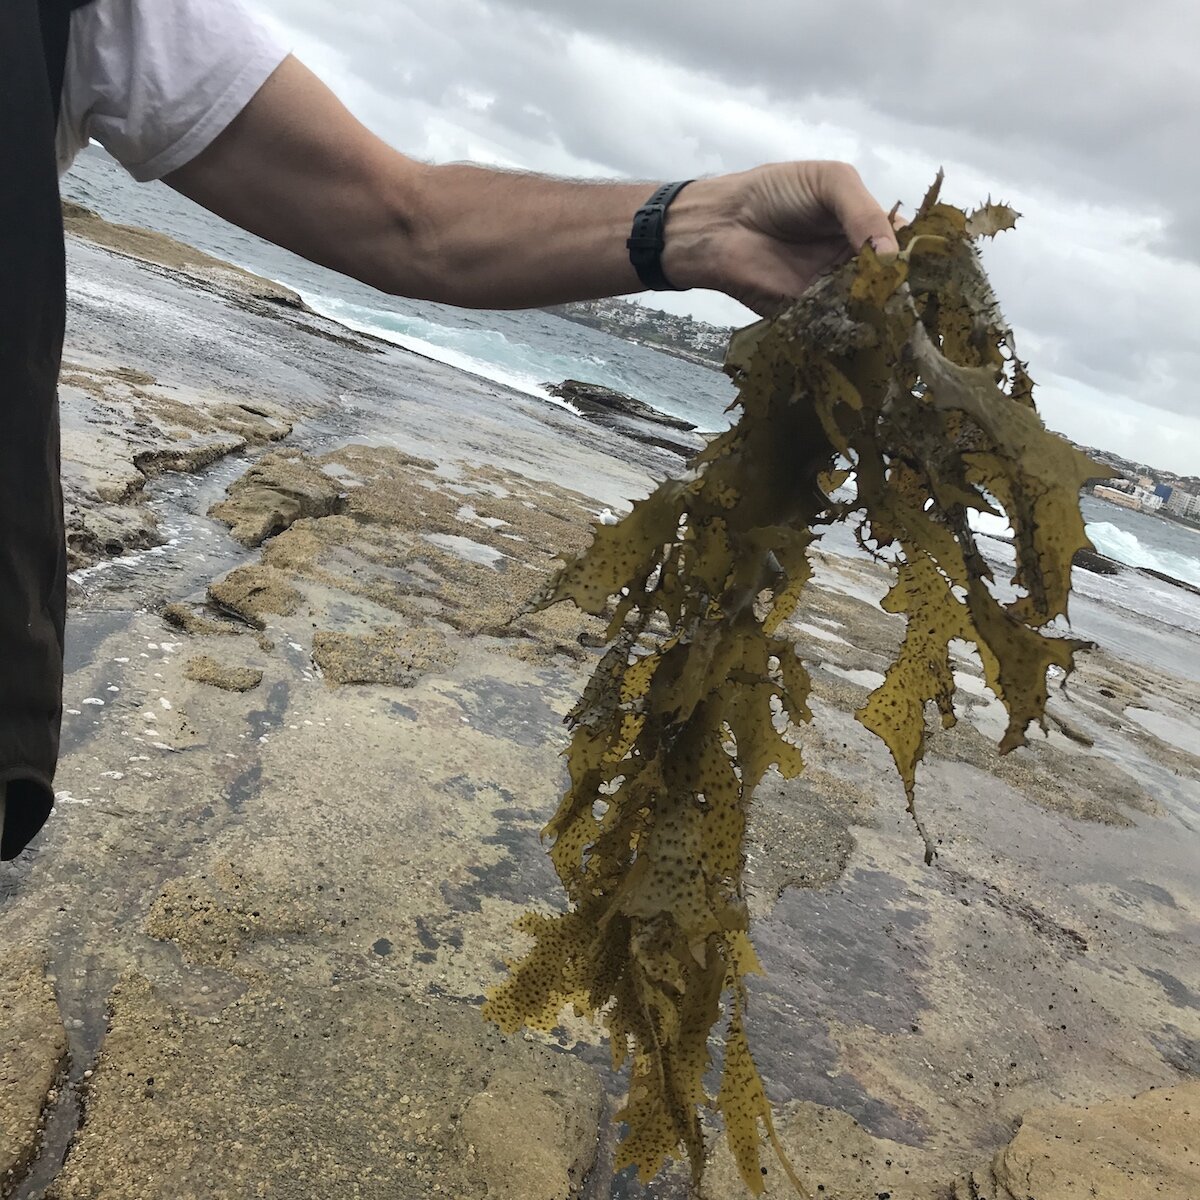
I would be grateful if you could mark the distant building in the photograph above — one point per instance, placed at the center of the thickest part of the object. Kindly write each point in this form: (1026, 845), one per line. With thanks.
(1183, 504)
(1135, 497)
(1163, 490)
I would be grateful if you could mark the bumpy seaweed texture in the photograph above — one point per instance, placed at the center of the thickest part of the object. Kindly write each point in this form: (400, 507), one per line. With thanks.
(905, 370)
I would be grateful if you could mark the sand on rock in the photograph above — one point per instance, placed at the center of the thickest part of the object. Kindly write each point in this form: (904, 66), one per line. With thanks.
(33, 1047)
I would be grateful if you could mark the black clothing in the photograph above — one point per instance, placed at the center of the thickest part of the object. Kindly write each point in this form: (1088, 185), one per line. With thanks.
(32, 314)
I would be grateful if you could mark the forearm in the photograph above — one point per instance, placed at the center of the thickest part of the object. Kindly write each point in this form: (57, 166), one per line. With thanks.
(493, 239)
(297, 169)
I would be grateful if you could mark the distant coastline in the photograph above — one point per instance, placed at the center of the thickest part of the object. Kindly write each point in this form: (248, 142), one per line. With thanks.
(682, 337)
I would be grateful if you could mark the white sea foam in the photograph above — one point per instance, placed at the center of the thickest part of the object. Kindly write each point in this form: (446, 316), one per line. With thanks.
(508, 359)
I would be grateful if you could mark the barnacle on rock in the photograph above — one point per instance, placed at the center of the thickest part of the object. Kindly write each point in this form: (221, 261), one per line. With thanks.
(903, 370)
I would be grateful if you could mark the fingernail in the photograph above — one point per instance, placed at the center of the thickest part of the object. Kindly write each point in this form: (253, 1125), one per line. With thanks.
(885, 247)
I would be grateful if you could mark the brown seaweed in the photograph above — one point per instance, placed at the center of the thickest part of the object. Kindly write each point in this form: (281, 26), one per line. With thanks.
(903, 371)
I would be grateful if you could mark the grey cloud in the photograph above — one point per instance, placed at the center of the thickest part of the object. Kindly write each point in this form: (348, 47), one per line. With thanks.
(1106, 93)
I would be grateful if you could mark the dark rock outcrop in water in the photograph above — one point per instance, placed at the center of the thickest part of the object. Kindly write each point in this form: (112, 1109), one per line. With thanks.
(593, 399)
(1098, 564)
(1163, 577)
(627, 415)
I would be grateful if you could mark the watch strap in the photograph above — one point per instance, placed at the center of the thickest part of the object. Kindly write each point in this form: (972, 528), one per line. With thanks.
(648, 237)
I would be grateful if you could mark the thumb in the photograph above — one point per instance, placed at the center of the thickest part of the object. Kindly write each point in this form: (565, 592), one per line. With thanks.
(858, 212)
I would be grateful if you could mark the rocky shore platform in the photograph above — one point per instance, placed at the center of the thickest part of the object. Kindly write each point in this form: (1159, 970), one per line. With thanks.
(312, 738)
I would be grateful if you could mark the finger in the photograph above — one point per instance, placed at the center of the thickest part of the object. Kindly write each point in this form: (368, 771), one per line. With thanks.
(858, 212)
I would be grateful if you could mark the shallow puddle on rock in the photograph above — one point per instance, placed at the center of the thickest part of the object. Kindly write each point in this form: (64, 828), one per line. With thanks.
(468, 513)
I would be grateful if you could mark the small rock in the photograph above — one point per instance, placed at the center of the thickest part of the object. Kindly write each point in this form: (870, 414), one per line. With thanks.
(203, 669)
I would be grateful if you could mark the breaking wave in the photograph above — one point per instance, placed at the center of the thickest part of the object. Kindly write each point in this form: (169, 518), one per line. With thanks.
(1125, 547)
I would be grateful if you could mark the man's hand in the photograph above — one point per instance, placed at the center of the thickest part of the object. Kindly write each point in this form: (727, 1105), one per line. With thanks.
(296, 168)
(773, 230)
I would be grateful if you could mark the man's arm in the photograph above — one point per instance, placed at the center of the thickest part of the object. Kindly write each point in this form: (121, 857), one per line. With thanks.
(298, 169)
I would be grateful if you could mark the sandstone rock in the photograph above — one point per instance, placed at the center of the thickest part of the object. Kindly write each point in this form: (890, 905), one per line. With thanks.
(386, 656)
(252, 591)
(189, 619)
(98, 530)
(190, 454)
(1118, 1150)
(33, 1048)
(274, 494)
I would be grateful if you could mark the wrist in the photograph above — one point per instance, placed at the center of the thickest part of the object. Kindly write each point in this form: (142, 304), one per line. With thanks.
(695, 232)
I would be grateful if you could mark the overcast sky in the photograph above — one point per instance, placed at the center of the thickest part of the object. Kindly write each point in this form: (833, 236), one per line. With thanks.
(1084, 114)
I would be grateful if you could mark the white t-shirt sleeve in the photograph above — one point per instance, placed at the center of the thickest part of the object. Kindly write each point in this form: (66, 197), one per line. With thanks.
(155, 81)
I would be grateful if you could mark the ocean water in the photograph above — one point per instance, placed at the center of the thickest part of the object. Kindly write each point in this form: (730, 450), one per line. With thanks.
(528, 350)
(522, 350)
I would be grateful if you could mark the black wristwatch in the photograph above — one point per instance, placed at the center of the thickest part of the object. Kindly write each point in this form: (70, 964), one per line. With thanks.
(646, 240)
